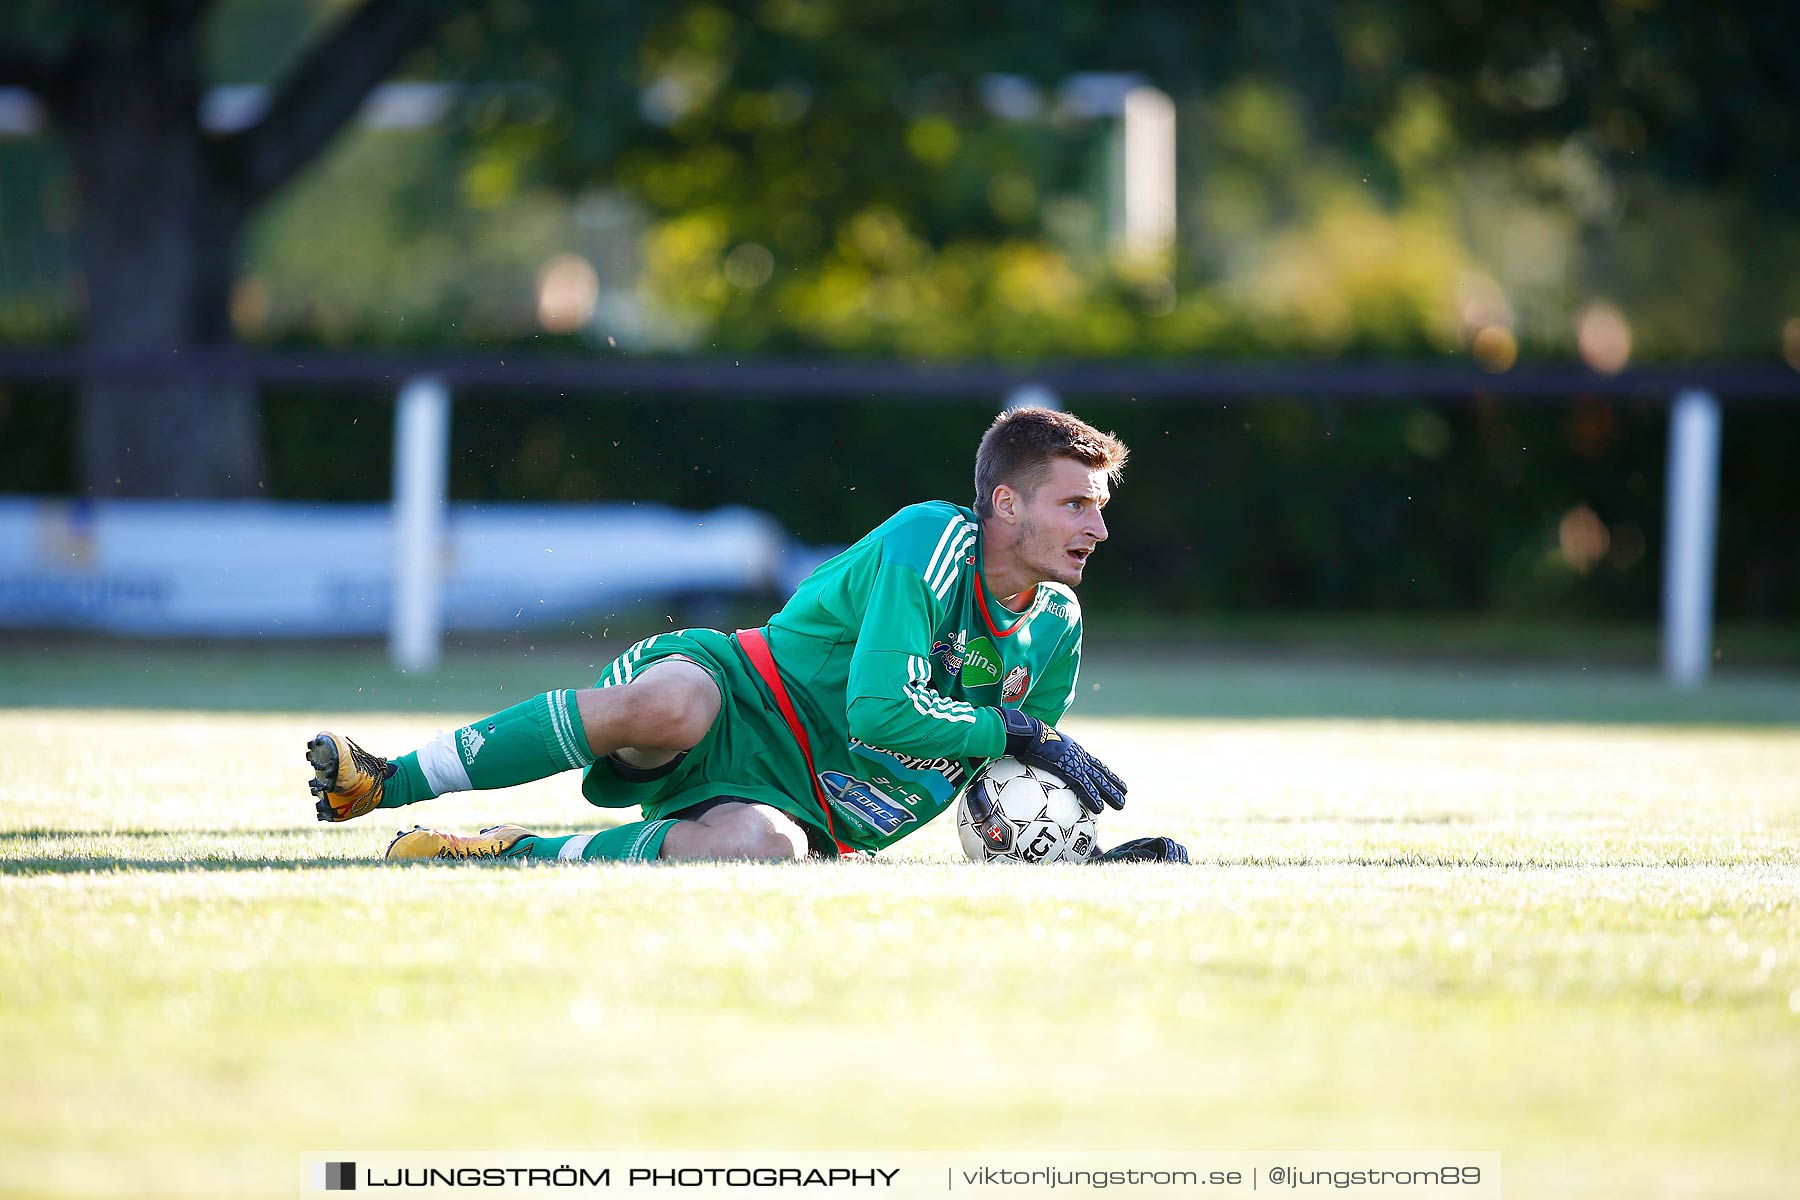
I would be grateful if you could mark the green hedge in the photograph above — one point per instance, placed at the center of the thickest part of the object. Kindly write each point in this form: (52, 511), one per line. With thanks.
(1273, 505)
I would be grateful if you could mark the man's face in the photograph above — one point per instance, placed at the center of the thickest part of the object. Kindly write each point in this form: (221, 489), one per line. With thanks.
(1060, 522)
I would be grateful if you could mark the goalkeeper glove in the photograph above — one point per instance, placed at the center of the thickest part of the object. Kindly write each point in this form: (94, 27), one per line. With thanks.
(1148, 849)
(1032, 742)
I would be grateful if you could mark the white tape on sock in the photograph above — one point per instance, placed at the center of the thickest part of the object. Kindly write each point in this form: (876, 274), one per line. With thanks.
(574, 846)
(442, 765)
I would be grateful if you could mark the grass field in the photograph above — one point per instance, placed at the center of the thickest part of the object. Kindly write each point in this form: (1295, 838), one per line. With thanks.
(1574, 941)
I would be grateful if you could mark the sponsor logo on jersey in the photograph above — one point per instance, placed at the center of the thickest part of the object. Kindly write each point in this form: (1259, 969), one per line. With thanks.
(865, 802)
(472, 742)
(981, 664)
(951, 653)
(1018, 680)
(952, 769)
(976, 663)
(1057, 609)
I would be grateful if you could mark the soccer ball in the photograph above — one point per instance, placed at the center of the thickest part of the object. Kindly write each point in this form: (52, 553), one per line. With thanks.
(1016, 813)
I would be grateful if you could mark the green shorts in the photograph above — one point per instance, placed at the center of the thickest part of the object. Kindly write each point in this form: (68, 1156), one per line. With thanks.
(748, 754)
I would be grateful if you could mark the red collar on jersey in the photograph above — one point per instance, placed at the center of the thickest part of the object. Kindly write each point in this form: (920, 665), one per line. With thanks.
(981, 603)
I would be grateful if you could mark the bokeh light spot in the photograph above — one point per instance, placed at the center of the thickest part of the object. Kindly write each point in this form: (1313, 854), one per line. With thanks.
(1583, 537)
(1495, 349)
(1482, 302)
(567, 291)
(1012, 197)
(933, 140)
(1604, 338)
(749, 265)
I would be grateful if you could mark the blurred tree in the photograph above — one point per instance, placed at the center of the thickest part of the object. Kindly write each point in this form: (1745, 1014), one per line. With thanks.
(1707, 94)
(162, 203)
(830, 174)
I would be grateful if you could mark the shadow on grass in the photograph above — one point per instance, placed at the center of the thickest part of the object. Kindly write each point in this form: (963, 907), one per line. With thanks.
(15, 840)
(107, 864)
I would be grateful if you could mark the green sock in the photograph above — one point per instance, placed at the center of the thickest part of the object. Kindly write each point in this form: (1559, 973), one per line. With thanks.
(407, 784)
(640, 841)
(532, 740)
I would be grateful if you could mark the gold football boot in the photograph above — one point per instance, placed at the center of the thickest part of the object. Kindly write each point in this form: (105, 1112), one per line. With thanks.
(347, 779)
(420, 842)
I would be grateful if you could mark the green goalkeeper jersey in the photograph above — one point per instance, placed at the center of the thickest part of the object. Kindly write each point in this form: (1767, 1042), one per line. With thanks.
(898, 660)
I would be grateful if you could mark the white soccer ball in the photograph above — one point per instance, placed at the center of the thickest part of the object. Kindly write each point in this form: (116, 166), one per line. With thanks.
(1016, 813)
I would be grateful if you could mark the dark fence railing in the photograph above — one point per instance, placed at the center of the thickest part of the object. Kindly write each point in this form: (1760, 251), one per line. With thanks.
(765, 379)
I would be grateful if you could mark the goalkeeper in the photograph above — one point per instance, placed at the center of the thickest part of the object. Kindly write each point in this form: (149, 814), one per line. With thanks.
(942, 640)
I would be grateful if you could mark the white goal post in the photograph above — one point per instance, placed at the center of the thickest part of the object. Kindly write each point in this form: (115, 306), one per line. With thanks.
(421, 494)
(1690, 527)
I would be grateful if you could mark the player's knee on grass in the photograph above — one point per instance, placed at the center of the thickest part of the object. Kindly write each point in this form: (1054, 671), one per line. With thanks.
(752, 831)
(667, 709)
